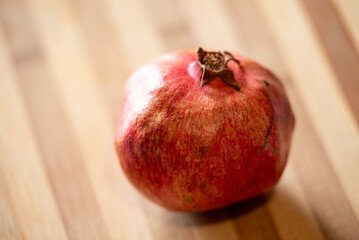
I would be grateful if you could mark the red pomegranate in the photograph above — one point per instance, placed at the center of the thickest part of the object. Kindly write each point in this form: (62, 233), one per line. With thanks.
(201, 130)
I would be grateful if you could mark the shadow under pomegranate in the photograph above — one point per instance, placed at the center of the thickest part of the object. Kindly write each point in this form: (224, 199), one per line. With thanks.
(251, 216)
(232, 211)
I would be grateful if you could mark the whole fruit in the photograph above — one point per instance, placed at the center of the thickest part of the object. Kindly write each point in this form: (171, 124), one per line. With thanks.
(201, 130)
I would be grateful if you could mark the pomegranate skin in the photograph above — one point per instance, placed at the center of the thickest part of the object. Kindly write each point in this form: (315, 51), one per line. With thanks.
(193, 148)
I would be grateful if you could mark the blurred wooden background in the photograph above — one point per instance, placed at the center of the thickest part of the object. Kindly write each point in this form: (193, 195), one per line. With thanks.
(63, 65)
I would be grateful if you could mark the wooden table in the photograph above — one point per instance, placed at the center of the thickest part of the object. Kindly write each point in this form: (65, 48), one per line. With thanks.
(63, 65)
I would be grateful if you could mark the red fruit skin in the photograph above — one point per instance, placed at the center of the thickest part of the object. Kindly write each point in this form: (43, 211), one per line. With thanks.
(192, 148)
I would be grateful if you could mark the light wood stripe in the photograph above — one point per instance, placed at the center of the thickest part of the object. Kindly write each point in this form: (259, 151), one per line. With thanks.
(203, 23)
(25, 195)
(9, 225)
(10, 228)
(339, 48)
(133, 28)
(318, 89)
(168, 16)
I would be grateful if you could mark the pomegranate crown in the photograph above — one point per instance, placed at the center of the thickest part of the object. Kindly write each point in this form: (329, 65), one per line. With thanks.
(214, 64)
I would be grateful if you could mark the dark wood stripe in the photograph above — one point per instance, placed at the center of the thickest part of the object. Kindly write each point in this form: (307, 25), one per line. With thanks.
(66, 172)
(338, 47)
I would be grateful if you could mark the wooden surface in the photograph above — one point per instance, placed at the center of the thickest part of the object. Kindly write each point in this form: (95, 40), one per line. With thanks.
(62, 69)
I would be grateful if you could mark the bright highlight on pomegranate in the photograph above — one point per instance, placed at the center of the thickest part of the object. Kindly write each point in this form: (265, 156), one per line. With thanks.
(200, 130)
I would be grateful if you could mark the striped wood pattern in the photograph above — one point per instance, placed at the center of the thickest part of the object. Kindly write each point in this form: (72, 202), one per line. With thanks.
(62, 69)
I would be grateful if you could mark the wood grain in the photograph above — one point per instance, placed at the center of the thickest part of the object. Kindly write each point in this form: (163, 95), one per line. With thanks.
(339, 48)
(67, 175)
(29, 204)
(63, 65)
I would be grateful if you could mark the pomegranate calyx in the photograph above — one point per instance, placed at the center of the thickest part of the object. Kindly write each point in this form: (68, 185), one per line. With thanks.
(214, 64)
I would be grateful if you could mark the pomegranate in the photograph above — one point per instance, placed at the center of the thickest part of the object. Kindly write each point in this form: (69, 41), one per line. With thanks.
(202, 130)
